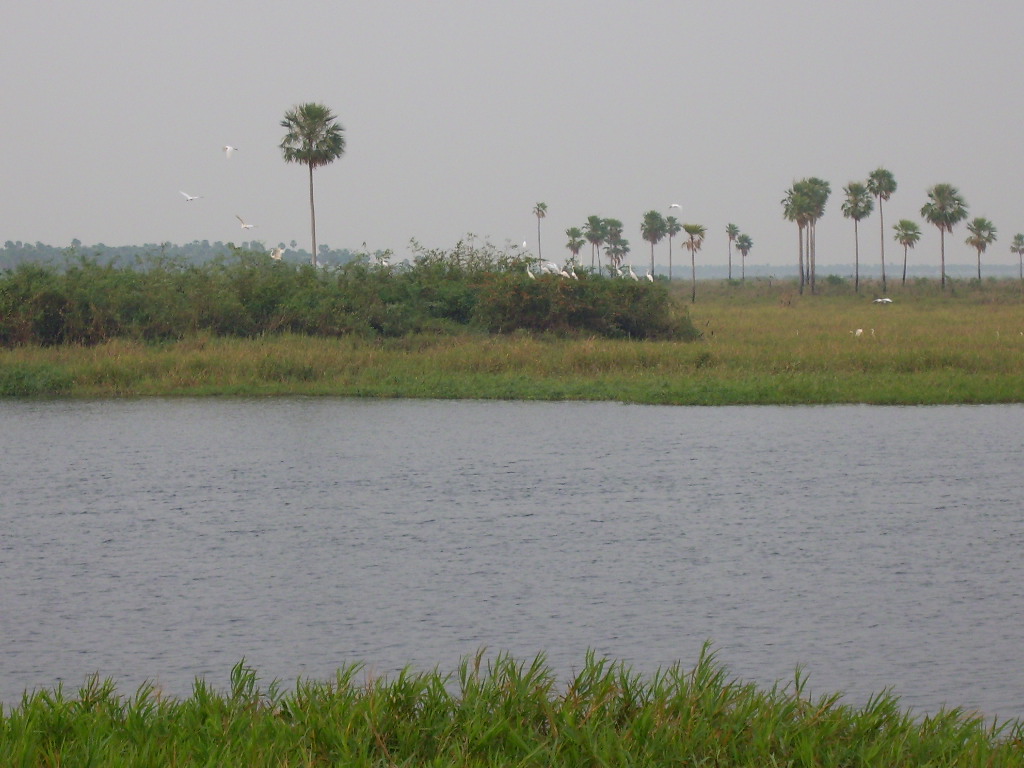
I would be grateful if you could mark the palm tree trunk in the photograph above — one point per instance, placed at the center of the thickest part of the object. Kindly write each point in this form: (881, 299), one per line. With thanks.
(693, 272)
(800, 256)
(312, 212)
(812, 249)
(881, 220)
(730, 258)
(856, 259)
(904, 266)
(942, 255)
(670, 258)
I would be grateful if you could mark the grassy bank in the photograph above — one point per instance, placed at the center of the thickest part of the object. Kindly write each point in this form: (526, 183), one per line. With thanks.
(761, 343)
(497, 712)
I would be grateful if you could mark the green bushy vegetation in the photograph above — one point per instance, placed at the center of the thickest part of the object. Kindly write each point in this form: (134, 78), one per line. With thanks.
(249, 295)
(496, 712)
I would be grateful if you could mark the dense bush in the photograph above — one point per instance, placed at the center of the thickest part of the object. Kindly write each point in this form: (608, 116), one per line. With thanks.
(249, 294)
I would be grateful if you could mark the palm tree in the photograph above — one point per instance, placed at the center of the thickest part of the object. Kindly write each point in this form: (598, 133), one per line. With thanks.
(1017, 246)
(881, 184)
(945, 209)
(653, 229)
(314, 138)
(907, 235)
(672, 228)
(576, 242)
(743, 245)
(732, 231)
(616, 247)
(595, 232)
(857, 206)
(819, 190)
(696, 233)
(983, 234)
(540, 210)
(796, 207)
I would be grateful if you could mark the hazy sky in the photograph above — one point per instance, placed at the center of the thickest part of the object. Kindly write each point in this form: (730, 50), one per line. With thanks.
(459, 116)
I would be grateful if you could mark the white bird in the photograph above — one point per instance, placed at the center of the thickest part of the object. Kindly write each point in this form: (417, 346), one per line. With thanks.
(632, 273)
(229, 151)
(276, 254)
(650, 277)
(676, 205)
(572, 274)
(524, 243)
(244, 225)
(858, 332)
(529, 273)
(885, 300)
(189, 198)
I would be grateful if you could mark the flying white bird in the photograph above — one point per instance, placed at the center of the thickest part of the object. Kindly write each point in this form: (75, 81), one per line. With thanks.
(676, 205)
(229, 151)
(885, 300)
(244, 225)
(276, 254)
(189, 198)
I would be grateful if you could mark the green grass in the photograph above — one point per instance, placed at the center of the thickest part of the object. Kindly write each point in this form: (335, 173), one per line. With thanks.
(760, 344)
(495, 712)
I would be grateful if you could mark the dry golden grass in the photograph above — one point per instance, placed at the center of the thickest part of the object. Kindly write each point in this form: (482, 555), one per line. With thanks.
(760, 344)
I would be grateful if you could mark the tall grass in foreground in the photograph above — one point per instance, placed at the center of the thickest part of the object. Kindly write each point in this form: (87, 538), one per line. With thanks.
(497, 712)
(758, 344)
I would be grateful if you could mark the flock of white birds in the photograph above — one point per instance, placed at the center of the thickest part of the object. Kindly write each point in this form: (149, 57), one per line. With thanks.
(228, 152)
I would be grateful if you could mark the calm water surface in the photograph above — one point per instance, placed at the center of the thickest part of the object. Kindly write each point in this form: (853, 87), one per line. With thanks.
(167, 539)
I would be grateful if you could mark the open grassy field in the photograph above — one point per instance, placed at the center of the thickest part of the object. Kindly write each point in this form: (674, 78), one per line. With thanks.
(496, 712)
(762, 343)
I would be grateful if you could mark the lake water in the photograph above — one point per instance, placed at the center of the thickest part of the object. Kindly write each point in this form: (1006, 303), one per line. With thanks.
(165, 539)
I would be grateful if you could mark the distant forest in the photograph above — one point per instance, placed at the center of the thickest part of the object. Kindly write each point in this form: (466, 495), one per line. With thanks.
(196, 252)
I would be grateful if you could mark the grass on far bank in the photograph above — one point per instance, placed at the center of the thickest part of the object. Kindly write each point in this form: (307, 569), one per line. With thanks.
(761, 343)
(498, 712)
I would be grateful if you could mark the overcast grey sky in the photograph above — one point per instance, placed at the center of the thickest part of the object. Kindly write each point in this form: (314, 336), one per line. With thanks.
(460, 116)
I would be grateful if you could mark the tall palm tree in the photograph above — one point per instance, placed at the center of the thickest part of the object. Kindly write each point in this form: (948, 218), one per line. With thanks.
(796, 207)
(743, 245)
(595, 232)
(576, 242)
(907, 235)
(616, 247)
(819, 191)
(945, 209)
(1017, 246)
(540, 210)
(857, 206)
(732, 231)
(881, 184)
(983, 234)
(696, 233)
(314, 138)
(653, 229)
(672, 228)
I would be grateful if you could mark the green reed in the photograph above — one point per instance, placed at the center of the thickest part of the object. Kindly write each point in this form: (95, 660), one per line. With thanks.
(495, 711)
(758, 345)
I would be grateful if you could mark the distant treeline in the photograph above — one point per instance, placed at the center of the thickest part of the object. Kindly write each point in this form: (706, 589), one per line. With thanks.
(14, 253)
(247, 293)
